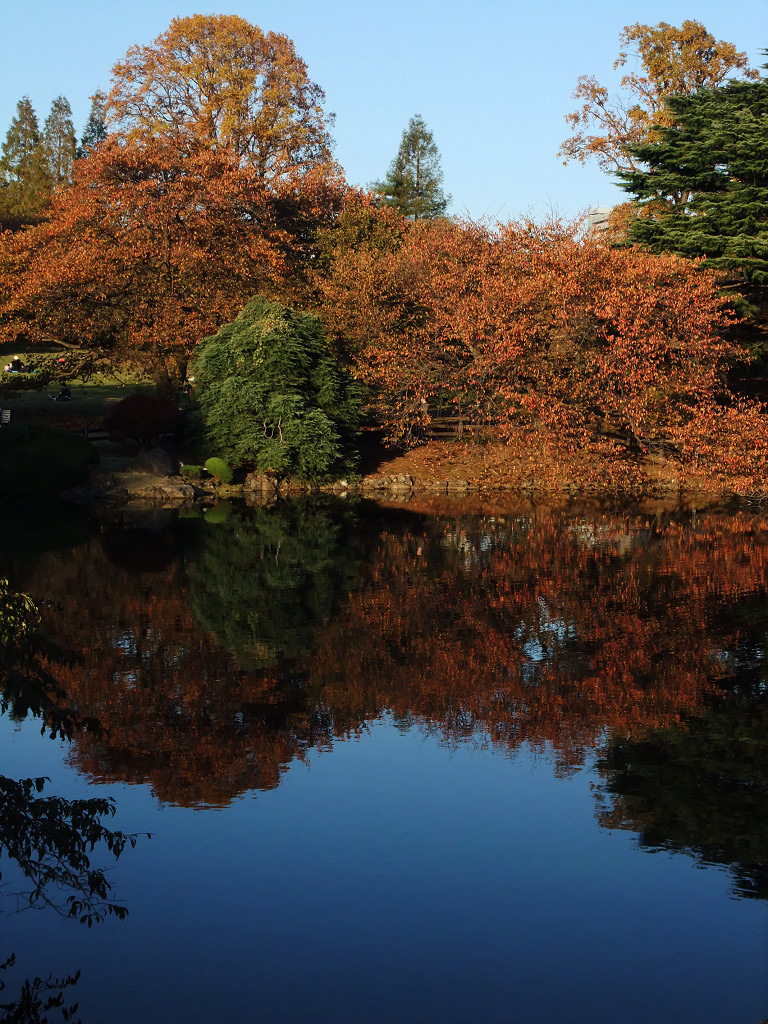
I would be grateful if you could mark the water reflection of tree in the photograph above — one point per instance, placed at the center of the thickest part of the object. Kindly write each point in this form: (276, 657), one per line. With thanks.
(177, 709)
(542, 629)
(31, 525)
(48, 841)
(700, 788)
(549, 632)
(265, 581)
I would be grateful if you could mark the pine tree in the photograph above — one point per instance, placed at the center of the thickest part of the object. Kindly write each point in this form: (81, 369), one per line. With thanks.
(59, 141)
(414, 182)
(711, 172)
(25, 185)
(95, 130)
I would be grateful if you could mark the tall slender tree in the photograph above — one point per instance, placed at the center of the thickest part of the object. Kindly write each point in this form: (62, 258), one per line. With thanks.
(59, 141)
(95, 130)
(414, 182)
(25, 184)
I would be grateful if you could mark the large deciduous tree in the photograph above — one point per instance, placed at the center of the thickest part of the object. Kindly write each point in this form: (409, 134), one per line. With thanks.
(414, 182)
(547, 336)
(150, 250)
(711, 168)
(210, 188)
(25, 183)
(672, 61)
(221, 82)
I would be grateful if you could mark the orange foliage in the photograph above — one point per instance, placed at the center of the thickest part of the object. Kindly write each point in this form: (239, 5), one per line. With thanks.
(673, 60)
(542, 632)
(177, 712)
(547, 630)
(218, 82)
(555, 339)
(149, 251)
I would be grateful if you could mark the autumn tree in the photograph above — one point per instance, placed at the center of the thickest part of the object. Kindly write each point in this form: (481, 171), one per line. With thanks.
(151, 250)
(59, 142)
(672, 61)
(219, 82)
(95, 130)
(414, 182)
(25, 182)
(550, 338)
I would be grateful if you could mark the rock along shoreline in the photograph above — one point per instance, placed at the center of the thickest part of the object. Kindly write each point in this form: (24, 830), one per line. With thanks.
(153, 481)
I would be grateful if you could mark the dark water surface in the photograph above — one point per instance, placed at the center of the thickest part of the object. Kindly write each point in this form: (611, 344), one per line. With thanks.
(408, 767)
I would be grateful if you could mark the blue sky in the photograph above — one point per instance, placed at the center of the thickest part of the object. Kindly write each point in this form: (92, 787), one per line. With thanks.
(491, 78)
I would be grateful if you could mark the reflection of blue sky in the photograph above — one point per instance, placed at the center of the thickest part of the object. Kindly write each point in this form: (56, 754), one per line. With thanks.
(551, 633)
(394, 878)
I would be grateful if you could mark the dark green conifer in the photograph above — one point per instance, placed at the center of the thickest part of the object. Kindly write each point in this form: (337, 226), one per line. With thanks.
(25, 184)
(414, 182)
(95, 130)
(269, 392)
(705, 192)
(59, 141)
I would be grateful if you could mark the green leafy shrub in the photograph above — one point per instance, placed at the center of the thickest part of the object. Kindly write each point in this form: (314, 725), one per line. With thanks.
(220, 513)
(42, 460)
(269, 393)
(218, 467)
(142, 418)
(191, 471)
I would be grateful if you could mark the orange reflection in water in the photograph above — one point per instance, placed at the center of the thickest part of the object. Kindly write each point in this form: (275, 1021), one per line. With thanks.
(544, 629)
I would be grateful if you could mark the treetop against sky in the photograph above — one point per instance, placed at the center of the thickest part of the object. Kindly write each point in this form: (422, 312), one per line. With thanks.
(493, 81)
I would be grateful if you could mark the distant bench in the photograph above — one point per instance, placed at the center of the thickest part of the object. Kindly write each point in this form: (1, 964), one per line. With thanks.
(93, 434)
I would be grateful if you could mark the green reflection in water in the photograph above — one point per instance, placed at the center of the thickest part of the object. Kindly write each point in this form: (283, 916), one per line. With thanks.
(700, 788)
(262, 581)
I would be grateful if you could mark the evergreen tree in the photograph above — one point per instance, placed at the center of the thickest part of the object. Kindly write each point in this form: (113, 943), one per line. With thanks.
(95, 130)
(25, 185)
(414, 182)
(269, 392)
(59, 141)
(705, 192)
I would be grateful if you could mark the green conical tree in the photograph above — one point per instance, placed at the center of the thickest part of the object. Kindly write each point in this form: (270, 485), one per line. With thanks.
(95, 130)
(25, 185)
(414, 182)
(59, 141)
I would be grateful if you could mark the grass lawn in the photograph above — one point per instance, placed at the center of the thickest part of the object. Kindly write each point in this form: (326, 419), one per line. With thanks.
(90, 401)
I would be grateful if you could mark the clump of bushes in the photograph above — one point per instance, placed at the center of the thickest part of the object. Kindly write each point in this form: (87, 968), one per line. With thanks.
(192, 472)
(41, 460)
(218, 468)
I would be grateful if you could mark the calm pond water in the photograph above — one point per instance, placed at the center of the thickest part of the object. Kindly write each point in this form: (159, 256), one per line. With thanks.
(406, 767)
